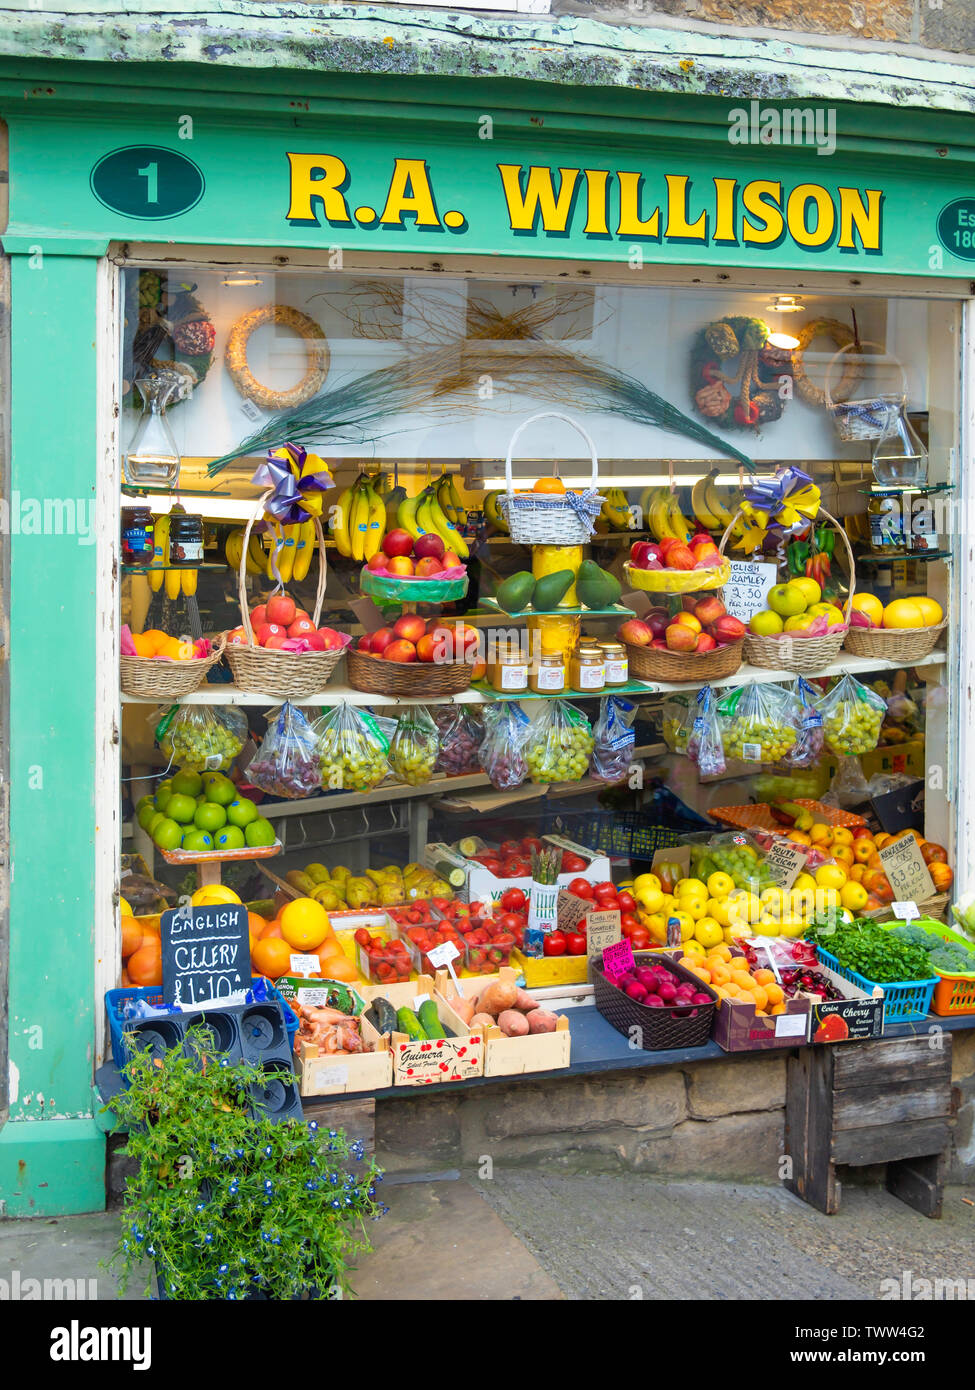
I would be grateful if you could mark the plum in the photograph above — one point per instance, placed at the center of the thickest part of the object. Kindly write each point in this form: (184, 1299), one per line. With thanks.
(701, 998)
(637, 991)
(653, 1001)
(668, 993)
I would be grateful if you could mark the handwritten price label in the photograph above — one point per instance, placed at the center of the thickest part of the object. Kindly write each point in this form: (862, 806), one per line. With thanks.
(785, 862)
(747, 590)
(906, 871)
(618, 959)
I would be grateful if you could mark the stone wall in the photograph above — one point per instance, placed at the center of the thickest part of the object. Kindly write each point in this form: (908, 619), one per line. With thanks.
(944, 25)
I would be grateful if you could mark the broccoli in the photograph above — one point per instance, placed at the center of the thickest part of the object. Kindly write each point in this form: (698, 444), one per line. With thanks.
(953, 958)
(913, 935)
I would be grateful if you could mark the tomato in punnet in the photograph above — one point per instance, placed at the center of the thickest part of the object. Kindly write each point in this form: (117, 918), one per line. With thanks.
(581, 888)
(529, 843)
(630, 923)
(575, 944)
(573, 863)
(627, 901)
(554, 944)
(509, 847)
(513, 900)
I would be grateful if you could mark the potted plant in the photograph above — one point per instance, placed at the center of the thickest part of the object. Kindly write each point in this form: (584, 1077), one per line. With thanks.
(231, 1206)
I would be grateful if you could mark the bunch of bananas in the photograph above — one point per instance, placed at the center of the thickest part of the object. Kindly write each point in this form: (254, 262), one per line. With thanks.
(708, 507)
(494, 513)
(233, 549)
(358, 519)
(291, 551)
(664, 517)
(616, 510)
(428, 513)
(178, 581)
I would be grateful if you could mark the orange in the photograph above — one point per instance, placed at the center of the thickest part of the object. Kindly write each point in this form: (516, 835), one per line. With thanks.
(273, 928)
(549, 485)
(125, 982)
(131, 936)
(144, 966)
(304, 924)
(330, 949)
(272, 957)
(799, 837)
(340, 968)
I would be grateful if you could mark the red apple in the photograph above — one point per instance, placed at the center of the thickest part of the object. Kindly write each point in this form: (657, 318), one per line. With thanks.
(728, 629)
(410, 627)
(428, 567)
(709, 610)
(701, 538)
(268, 630)
(378, 562)
(364, 643)
(397, 542)
(301, 627)
(381, 639)
(467, 640)
(705, 642)
(681, 638)
(428, 545)
(281, 610)
(401, 565)
(659, 645)
(427, 648)
(237, 638)
(443, 637)
(641, 552)
(276, 642)
(334, 641)
(658, 623)
(317, 642)
(258, 616)
(635, 632)
(400, 651)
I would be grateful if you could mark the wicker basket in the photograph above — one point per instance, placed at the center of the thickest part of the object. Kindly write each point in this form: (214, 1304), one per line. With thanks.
(538, 518)
(900, 645)
(650, 664)
(157, 679)
(871, 417)
(418, 680)
(655, 1029)
(677, 581)
(283, 675)
(804, 655)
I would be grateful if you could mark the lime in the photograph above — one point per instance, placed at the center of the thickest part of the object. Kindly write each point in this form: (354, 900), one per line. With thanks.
(210, 817)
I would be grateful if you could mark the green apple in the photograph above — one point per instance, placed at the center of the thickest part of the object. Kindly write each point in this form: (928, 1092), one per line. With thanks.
(787, 600)
(241, 812)
(197, 840)
(168, 834)
(765, 623)
(155, 819)
(146, 815)
(188, 783)
(230, 837)
(260, 832)
(209, 816)
(145, 801)
(220, 789)
(180, 808)
(162, 798)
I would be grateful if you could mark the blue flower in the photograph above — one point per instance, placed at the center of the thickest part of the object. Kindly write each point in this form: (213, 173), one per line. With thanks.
(225, 1061)
(266, 1202)
(223, 1269)
(201, 1206)
(208, 1238)
(311, 1186)
(268, 1151)
(371, 1192)
(213, 1146)
(313, 1125)
(150, 1249)
(239, 1153)
(335, 1203)
(268, 1185)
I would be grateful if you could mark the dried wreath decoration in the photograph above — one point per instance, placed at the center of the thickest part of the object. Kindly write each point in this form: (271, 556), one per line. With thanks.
(751, 397)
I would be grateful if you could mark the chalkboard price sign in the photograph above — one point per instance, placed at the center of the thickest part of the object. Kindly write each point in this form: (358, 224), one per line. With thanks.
(205, 953)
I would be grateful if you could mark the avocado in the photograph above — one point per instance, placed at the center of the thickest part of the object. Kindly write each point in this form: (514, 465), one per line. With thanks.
(515, 594)
(597, 588)
(551, 589)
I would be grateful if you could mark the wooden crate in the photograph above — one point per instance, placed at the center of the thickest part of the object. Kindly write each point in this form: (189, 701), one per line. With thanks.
(514, 1056)
(331, 1074)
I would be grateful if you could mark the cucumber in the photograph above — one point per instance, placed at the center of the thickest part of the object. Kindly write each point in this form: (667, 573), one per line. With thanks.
(386, 1013)
(430, 1021)
(408, 1023)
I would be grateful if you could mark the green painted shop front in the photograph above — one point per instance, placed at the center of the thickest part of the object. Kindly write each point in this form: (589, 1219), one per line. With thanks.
(302, 165)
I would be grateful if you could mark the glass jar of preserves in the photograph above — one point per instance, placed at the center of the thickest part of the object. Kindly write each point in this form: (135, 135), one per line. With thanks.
(615, 662)
(509, 673)
(549, 673)
(185, 539)
(136, 536)
(586, 670)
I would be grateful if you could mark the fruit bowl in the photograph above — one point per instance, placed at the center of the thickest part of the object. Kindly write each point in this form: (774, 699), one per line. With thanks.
(651, 664)
(666, 581)
(409, 589)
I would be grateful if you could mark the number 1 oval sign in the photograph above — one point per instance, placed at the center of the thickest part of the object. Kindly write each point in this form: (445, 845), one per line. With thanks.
(147, 181)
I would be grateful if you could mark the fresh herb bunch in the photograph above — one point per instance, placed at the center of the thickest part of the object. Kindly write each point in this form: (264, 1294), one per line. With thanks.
(228, 1206)
(865, 947)
(546, 864)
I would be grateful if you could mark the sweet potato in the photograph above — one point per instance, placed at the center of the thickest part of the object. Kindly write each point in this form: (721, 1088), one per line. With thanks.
(495, 998)
(541, 1021)
(524, 1002)
(463, 1008)
(481, 1021)
(513, 1024)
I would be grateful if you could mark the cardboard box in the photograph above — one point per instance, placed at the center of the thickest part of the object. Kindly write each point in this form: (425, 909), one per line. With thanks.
(432, 1061)
(541, 971)
(514, 1056)
(737, 1028)
(482, 886)
(861, 1014)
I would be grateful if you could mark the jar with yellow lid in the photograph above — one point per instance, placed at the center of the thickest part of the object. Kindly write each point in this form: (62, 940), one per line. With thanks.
(508, 673)
(548, 674)
(615, 662)
(586, 670)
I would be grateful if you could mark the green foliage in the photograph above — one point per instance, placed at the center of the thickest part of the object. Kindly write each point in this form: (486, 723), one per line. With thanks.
(225, 1204)
(876, 954)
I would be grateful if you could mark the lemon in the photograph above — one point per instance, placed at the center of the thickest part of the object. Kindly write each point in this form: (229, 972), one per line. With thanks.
(694, 906)
(685, 886)
(827, 900)
(804, 882)
(708, 932)
(744, 907)
(831, 876)
(656, 925)
(720, 884)
(645, 885)
(651, 900)
(790, 927)
(693, 948)
(124, 908)
(853, 896)
(772, 900)
(767, 926)
(719, 911)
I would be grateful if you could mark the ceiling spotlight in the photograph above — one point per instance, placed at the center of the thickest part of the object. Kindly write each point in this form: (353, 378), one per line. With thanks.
(242, 277)
(785, 304)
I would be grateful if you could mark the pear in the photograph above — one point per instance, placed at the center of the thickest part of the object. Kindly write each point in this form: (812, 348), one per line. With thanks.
(440, 889)
(317, 873)
(326, 895)
(390, 894)
(301, 881)
(375, 875)
(361, 892)
(340, 873)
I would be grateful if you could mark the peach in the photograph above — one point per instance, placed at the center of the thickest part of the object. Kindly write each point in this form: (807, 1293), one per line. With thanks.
(681, 638)
(709, 610)
(281, 610)
(400, 651)
(701, 538)
(378, 562)
(427, 649)
(635, 632)
(427, 567)
(451, 561)
(410, 627)
(707, 556)
(706, 643)
(667, 545)
(400, 564)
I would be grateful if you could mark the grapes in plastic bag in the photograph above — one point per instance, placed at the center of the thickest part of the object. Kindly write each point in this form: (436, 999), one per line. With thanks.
(759, 723)
(704, 746)
(808, 747)
(286, 764)
(852, 715)
(202, 738)
(678, 719)
(613, 739)
(416, 742)
(560, 744)
(352, 750)
(506, 730)
(735, 853)
(461, 735)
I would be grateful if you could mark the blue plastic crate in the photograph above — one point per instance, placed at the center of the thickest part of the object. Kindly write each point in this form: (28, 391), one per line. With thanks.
(152, 994)
(905, 1001)
(619, 834)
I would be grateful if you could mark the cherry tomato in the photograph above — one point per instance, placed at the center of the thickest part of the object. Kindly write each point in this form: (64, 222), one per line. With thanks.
(554, 944)
(513, 900)
(581, 888)
(575, 944)
(627, 901)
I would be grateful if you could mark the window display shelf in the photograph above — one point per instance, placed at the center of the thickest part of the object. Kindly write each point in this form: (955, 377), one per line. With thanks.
(904, 555)
(338, 693)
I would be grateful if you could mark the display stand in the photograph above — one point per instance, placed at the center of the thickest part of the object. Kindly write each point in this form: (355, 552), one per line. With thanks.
(208, 865)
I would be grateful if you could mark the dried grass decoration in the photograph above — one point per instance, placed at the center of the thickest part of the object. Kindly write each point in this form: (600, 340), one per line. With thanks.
(750, 398)
(442, 377)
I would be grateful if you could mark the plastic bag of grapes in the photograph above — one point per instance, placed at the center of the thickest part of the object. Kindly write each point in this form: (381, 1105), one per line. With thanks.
(759, 723)
(461, 735)
(560, 744)
(416, 742)
(808, 747)
(704, 746)
(352, 750)
(613, 740)
(506, 730)
(852, 715)
(202, 738)
(286, 764)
